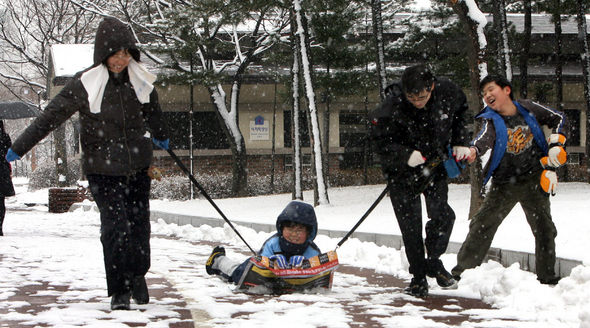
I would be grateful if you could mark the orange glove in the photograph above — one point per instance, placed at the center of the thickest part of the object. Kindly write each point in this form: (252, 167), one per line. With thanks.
(557, 154)
(549, 181)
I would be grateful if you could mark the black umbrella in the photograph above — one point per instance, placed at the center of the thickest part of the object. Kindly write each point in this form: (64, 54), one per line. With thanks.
(17, 109)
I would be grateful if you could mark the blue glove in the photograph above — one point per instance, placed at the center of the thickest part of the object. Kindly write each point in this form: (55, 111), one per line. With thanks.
(452, 166)
(296, 261)
(280, 261)
(11, 156)
(161, 143)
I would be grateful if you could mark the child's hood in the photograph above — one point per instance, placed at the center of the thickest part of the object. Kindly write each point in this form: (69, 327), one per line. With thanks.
(299, 212)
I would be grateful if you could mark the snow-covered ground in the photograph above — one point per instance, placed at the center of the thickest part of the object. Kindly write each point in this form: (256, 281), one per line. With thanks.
(570, 208)
(66, 250)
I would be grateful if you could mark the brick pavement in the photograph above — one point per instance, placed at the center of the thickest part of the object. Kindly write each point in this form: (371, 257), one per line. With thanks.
(34, 299)
(29, 303)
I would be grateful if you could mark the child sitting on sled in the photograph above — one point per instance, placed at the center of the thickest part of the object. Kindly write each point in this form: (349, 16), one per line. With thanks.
(293, 242)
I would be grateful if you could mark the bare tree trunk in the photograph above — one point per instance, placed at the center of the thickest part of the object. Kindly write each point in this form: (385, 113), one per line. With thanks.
(585, 56)
(378, 34)
(477, 67)
(297, 171)
(503, 46)
(273, 138)
(558, 54)
(326, 139)
(526, 47)
(61, 162)
(302, 34)
(235, 138)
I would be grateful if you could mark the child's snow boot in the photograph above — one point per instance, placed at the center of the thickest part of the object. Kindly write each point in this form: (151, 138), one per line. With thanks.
(217, 251)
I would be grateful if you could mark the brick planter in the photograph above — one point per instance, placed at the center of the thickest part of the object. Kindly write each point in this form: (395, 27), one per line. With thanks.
(60, 199)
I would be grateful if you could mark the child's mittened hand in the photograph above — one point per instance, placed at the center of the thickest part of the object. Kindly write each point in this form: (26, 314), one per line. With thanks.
(280, 261)
(296, 261)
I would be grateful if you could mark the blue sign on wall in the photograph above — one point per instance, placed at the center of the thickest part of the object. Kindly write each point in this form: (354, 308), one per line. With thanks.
(259, 120)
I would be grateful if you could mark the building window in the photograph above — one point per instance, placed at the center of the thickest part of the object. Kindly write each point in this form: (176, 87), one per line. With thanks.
(305, 161)
(353, 130)
(353, 137)
(573, 117)
(303, 129)
(207, 132)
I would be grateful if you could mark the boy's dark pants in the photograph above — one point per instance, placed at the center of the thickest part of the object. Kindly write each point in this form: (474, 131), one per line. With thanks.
(124, 227)
(497, 205)
(408, 211)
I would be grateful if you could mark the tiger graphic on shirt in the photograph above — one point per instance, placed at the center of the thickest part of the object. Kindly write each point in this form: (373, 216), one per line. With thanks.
(519, 138)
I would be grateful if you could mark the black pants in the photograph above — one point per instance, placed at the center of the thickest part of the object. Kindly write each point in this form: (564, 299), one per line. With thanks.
(408, 211)
(2, 211)
(123, 203)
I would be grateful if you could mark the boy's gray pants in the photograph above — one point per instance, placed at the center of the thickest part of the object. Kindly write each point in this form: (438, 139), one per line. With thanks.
(498, 203)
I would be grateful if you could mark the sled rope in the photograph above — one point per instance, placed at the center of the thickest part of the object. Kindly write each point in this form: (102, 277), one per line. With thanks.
(204, 193)
(375, 203)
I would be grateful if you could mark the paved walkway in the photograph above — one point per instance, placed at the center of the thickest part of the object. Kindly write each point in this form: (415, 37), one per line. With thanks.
(37, 297)
(43, 245)
(382, 292)
(563, 267)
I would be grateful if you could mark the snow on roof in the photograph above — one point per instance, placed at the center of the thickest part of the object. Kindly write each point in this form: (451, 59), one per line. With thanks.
(542, 24)
(68, 59)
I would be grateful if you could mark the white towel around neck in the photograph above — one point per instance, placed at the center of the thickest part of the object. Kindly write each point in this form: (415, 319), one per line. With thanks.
(95, 81)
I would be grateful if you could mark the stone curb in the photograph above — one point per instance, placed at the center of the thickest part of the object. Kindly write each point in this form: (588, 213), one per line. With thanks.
(563, 267)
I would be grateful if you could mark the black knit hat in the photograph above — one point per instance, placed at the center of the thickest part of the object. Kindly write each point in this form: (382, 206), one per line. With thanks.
(113, 35)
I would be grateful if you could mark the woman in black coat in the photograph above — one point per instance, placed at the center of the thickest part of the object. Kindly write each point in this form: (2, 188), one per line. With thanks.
(6, 187)
(119, 113)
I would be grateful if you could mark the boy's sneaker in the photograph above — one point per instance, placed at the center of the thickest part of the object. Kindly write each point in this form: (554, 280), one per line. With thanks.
(217, 251)
(418, 287)
(444, 279)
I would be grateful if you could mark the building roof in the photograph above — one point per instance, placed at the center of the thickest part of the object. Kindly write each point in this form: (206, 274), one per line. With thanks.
(540, 23)
(69, 59)
(543, 24)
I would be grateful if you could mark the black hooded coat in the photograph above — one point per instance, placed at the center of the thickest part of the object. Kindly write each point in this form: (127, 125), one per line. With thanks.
(6, 187)
(114, 140)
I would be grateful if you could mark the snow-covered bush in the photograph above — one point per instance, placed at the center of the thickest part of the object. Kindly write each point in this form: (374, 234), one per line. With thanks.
(355, 177)
(173, 187)
(176, 187)
(259, 184)
(45, 175)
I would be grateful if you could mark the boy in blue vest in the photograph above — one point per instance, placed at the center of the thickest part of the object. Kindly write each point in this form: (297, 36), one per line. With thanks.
(522, 164)
(297, 227)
